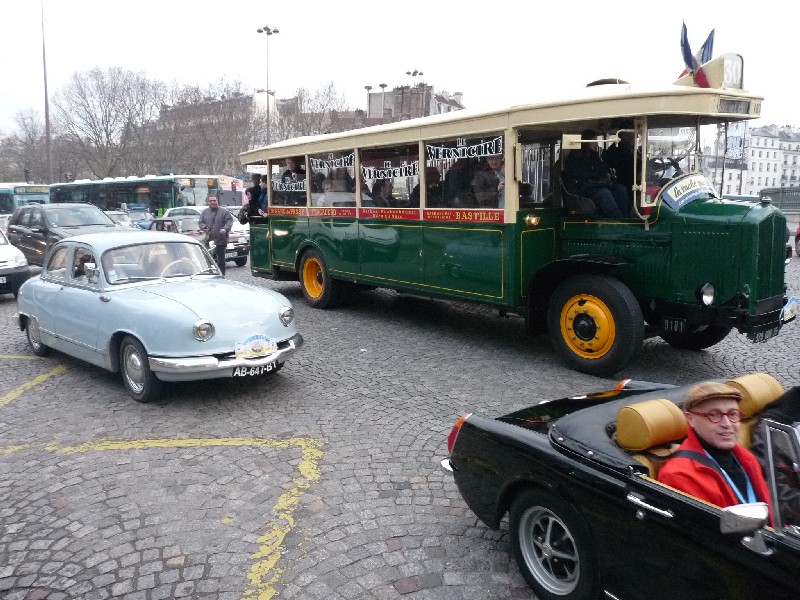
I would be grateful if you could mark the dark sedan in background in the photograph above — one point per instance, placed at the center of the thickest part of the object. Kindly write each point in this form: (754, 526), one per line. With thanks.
(587, 516)
(35, 227)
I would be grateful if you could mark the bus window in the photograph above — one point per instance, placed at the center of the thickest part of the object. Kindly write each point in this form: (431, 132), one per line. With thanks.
(471, 170)
(289, 182)
(537, 163)
(389, 175)
(333, 179)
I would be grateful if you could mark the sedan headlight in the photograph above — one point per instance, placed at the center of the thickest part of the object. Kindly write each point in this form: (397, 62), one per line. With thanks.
(706, 294)
(286, 315)
(203, 330)
(20, 260)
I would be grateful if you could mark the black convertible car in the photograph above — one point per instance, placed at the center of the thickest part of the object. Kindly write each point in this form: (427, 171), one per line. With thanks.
(587, 517)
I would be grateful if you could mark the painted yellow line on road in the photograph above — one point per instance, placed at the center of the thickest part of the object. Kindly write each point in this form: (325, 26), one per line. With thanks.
(263, 574)
(13, 394)
(12, 449)
(21, 357)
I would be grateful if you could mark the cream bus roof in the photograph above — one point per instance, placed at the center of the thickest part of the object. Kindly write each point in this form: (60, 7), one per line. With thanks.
(676, 105)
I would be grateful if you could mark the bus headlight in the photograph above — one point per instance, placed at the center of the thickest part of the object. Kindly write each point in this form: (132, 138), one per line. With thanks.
(203, 330)
(706, 294)
(286, 315)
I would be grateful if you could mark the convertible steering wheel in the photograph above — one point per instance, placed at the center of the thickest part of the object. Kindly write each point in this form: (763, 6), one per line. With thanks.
(173, 263)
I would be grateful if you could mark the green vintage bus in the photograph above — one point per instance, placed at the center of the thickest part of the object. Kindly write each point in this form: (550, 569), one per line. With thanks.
(482, 206)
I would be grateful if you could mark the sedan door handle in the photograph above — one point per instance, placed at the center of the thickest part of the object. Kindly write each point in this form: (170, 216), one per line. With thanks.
(104, 298)
(644, 505)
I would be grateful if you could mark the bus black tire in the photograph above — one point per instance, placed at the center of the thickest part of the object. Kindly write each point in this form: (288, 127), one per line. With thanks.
(697, 340)
(319, 290)
(595, 324)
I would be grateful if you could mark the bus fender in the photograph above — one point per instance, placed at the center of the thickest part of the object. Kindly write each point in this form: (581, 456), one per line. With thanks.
(545, 281)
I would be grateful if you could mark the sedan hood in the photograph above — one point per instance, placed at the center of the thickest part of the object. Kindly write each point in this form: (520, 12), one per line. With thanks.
(162, 312)
(206, 297)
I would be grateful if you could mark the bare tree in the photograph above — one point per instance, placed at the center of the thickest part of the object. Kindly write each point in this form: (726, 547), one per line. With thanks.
(312, 113)
(98, 112)
(22, 153)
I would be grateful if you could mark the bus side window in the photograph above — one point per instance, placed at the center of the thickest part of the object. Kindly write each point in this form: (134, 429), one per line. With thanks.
(471, 170)
(289, 185)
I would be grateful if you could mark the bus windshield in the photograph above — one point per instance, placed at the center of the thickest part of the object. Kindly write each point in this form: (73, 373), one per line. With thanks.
(12, 196)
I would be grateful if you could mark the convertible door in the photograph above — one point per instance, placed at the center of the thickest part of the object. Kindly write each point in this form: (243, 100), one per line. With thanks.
(678, 551)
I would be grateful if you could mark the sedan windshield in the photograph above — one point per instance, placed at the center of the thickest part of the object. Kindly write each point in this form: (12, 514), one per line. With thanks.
(156, 261)
(76, 216)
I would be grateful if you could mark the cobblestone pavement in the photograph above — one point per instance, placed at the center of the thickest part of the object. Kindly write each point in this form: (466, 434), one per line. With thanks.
(321, 481)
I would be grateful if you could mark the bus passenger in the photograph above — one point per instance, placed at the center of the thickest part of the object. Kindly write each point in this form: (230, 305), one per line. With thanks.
(433, 189)
(619, 157)
(490, 184)
(586, 175)
(458, 184)
(381, 193)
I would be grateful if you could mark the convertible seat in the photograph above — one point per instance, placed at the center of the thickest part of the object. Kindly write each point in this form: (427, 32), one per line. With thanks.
(651, 431)
(758, 389)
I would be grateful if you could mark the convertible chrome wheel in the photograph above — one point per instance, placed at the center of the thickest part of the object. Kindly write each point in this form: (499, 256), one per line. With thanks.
(139, 380)
(549, 550)
(553, 548)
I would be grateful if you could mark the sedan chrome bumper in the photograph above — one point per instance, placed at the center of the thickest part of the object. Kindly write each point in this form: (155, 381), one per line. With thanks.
(173, 369)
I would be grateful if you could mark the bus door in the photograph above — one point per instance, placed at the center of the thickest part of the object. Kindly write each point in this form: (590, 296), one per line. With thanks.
(288, 210)
(332, 223)
(465, 239)
(390, 234)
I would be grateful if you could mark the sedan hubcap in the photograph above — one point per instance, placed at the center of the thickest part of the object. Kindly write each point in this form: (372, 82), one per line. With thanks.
(134, 370)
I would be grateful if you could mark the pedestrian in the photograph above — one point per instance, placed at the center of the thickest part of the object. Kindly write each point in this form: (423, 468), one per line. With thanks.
(218, 222)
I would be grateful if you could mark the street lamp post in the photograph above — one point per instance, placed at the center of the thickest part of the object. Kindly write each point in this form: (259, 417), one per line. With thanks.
(268, 31)
(48, 159)
(368, 88)
(383, 99)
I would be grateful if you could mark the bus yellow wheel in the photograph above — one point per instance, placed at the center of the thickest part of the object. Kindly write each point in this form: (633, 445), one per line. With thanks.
(595, 323)
(588, 326)
(319, 290)
(313, 281)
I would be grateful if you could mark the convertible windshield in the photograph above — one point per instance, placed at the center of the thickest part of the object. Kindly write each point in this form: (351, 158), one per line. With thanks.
(156, 261)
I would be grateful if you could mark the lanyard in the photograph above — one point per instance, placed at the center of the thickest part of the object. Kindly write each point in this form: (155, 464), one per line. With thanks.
(751, 496)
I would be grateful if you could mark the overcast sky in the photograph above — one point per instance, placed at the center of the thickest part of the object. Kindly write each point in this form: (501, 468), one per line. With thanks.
(495, 52)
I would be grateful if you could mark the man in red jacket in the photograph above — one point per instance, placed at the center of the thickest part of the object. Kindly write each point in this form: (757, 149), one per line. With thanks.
(709, 464)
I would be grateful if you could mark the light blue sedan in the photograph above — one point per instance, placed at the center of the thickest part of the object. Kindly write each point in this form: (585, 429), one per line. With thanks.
(154, 307)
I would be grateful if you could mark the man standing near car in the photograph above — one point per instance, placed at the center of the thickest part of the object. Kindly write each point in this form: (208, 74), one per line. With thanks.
(218, 221)
(710, 464)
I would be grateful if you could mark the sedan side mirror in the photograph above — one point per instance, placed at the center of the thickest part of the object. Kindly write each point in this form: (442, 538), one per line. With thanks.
(92, 274)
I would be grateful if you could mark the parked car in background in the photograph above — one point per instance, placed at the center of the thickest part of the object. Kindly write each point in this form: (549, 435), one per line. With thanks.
(120, 217)
(35, 227)
(4, 223)
(14, 270)
(238, 240)
(797, 241)
(188, 225)
(167, 313)
(587, 517)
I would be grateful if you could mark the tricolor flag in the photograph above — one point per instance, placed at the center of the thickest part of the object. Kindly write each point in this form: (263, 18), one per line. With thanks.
(693, 62)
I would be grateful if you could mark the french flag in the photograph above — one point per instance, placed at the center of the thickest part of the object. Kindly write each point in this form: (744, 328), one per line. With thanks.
(693, 62)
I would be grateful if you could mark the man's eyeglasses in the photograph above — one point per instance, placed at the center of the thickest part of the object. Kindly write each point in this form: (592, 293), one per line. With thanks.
(715, 416)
